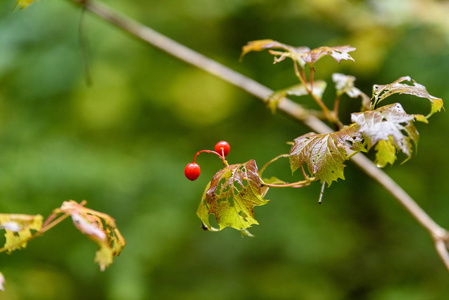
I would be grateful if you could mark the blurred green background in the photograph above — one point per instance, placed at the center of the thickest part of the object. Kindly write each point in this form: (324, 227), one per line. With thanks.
(122, 144)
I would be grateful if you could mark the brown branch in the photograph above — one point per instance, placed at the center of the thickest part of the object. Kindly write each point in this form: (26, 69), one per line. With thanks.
(439, 235)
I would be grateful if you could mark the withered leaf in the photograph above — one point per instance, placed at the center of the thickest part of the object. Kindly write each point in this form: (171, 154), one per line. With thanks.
(231, 196)
(18, 229)
(400, 86)
(99, 227)
(325, 154)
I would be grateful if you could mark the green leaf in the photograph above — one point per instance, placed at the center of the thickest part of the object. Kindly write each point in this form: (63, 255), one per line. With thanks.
(380, 92)
(388, 123)
(18, 229)
(99, 227)
(296, 90)
(231, 196)
(344, 84)
(325, 154)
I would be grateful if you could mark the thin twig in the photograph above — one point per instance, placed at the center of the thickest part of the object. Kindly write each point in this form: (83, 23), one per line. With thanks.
(292, 109)
(441, 248)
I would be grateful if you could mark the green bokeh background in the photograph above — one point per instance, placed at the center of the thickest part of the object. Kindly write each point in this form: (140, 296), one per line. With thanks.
(123, 142)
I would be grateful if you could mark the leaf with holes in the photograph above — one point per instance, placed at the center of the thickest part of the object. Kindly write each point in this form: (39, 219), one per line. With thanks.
(344, 84)
(325, 154)
(380, 92)
(391, 124)
(19, 229)
(99, 227)
(231, 196)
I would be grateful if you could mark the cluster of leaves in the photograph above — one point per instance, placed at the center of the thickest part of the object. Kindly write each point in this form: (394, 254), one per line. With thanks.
(235, 190)
(99, 227)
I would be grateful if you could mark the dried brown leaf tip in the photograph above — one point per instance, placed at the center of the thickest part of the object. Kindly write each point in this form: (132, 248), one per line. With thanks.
(19, 229)
(99, 227)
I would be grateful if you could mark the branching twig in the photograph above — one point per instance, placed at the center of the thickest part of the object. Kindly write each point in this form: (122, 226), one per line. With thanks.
(439, 235)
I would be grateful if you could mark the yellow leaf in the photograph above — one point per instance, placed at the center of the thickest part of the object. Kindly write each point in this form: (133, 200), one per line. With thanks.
(385, 153)
(18, 229)
(104, 257)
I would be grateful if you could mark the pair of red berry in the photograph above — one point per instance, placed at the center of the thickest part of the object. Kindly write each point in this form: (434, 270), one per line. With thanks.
(193, 171)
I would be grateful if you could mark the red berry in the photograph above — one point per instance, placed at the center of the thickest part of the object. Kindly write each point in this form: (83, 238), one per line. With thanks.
(222, 148)
(192, 171)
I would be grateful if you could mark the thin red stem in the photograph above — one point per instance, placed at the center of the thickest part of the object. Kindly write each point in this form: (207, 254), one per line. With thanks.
(298, 184)
(213, 152)
(311, 78)
(336, 106)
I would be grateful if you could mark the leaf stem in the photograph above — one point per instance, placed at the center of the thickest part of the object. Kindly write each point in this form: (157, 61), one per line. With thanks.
(337, 105)
(312, 70)
(298, 184)
(301, 75)
(304, 173)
